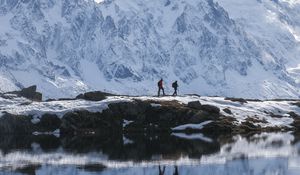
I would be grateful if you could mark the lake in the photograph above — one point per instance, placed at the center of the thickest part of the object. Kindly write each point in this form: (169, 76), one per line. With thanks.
(151, 154)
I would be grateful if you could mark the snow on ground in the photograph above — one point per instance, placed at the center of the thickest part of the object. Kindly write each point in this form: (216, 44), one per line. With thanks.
(191, 126)
(22, 106)
(259, 110)
(253, 109)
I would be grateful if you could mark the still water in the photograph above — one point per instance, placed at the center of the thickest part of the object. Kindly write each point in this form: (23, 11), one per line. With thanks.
(177, 154)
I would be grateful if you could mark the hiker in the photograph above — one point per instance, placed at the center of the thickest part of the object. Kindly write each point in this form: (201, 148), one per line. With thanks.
(160, 87)
(161, 171)
(175, 86)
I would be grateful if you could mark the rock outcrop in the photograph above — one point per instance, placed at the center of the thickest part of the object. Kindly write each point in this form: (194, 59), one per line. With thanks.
(136, 116)
(93, 96)
(29, 93)
(121, 115)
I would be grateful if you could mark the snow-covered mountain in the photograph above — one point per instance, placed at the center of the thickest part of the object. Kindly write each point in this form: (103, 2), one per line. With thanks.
(248, 48)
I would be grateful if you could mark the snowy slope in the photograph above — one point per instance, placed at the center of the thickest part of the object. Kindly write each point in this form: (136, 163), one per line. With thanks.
(67, 47)
(274, 26)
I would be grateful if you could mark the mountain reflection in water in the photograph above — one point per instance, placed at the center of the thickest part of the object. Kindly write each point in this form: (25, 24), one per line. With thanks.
(265, 153)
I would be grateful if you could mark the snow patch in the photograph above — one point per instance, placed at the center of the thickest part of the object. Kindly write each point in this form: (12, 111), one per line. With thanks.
(191, 126)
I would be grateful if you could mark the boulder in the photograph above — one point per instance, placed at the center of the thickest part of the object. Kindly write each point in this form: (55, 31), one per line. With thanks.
(195, 105)
(48, 123)
(221, 126)
(14, 124)
(31, 93)
(85, 122)
(130, 110)
(93, 96)
(241, 100)
(210, 109)
(227, 110)
(199, 117)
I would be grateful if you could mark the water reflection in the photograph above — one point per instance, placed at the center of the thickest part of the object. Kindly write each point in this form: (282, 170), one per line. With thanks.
(265, 153)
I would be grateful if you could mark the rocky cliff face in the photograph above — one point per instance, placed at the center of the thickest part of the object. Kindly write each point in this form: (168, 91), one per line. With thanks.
(66, 47)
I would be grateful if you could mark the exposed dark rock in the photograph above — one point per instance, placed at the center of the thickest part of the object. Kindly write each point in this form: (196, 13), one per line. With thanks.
(85, 122)
(15, 124)
(50, 99)
(135, 110)
(66, 99)
(248, 126)
(294, 115)
(223, 125)
(296, 123)
(296, 103)
(255, 120)
(227, 110)
(25, 103)
(241, 100)
(197, 95)
(29, 93)
(253, 100)
(275, 115)
(93, 96)
(210, 109)
(195, 105)
(48, 123)
(199, 117)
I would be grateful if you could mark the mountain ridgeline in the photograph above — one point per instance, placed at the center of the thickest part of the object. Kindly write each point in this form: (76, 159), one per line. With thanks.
(67, 47)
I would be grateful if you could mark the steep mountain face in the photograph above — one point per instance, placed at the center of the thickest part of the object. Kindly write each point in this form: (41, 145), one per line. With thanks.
(66, 47)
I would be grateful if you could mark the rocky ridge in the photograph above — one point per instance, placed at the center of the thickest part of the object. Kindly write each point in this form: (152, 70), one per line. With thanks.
(122, 114)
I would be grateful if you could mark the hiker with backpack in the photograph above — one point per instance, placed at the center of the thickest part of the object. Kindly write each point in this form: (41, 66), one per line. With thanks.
(175, 86)
(160, 87)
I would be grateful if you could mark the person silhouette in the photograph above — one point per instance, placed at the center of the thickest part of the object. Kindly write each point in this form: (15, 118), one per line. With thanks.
(175, 86)
(160, 87)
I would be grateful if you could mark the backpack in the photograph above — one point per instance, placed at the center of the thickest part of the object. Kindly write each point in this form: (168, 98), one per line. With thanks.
(159, 84)
(174, 85)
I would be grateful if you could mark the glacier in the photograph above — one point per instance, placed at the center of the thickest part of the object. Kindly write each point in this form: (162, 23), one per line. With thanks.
(247, 48)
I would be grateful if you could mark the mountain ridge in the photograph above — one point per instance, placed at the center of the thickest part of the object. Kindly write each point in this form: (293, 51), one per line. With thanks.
(68, 47)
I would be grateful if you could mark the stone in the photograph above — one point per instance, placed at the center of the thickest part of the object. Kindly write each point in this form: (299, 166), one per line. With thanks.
(199, 117)
(93, 96)
(241, 100)
(31, 93)
(210, 109)
(227, 110)
(15, 124)
(195, 105)
(85, 122)
(48, 123)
